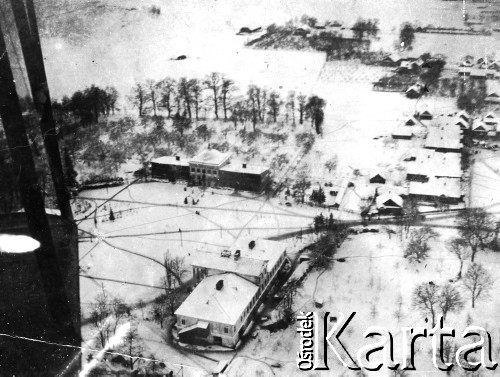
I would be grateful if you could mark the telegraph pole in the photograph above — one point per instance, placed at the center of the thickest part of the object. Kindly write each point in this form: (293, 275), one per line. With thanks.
(32, 200)
(25, 17)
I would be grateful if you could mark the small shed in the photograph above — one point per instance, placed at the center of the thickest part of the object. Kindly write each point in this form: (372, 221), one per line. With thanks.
(377, 178)
(426, 115)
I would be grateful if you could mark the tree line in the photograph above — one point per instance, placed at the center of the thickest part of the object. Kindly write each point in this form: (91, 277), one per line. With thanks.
(217, 96)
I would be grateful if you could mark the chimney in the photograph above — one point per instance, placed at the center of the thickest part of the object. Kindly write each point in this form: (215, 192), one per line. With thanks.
(251, 245)
(219, 285)
(177, 158)
(244, 166)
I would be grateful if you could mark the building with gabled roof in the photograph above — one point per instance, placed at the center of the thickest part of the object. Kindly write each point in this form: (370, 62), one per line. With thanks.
(430, 163)
(492, 98)
(402, 133)
(389, 203)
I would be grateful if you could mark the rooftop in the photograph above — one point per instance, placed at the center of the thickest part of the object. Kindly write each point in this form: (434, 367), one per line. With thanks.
(169, 160)
(252, 262)
(206, 303)
(448, 187)
(389, 200)
(435, 164)
(240, 167)
(210, 157)
(444, 133)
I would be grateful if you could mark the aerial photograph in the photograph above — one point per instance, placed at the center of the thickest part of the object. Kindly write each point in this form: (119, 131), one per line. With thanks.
(242, 188)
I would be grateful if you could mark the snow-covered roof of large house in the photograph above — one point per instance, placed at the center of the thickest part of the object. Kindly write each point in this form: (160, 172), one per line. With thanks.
(170, 160)
(447, 187)
(430, 163)
(207, 303)
(252, 261)
(241, 167)
(210, 157)
(444, 134)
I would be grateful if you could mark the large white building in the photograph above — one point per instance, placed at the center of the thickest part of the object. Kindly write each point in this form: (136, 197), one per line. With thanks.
(232, 283)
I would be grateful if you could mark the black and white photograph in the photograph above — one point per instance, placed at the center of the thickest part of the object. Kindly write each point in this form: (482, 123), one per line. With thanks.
(249, 188)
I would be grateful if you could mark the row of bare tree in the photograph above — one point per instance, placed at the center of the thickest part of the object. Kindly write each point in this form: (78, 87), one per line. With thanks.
(217, 93)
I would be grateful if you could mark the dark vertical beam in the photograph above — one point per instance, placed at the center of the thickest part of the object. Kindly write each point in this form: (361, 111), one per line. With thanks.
(32, 200)
(24, 14)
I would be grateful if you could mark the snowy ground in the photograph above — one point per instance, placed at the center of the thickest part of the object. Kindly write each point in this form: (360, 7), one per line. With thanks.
(371, 281)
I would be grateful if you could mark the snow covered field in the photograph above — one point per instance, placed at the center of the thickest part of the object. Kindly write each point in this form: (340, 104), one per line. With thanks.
(123, 46)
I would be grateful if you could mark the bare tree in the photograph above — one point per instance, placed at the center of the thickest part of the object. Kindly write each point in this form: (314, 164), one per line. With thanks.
(459, 247)
(119, 310)
(213, 83)
(138, 97)
(418, 248)
(476, 227)
(132, 346)
(323, 251)
(301, 100)
(152, 94)
(184, 93)
(478, 282)
(196, 91)
(426, 299)
(274, 102)
(253, 94)
(175, 270)
(99, 317)
(167, 89)
(227, 87)
(288, 293)
(290, 105)
(450, 300)
(159, 310)
(331, 163)
(314, 111)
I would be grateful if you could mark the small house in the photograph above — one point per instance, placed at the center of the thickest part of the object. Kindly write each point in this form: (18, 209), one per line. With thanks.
(490, 119)
(464, 71)
(414, 91)
(466, 63)
(492, 98)
(389, 203)
(426, 115)
(403, 133)
(412, 121)
(377, 178)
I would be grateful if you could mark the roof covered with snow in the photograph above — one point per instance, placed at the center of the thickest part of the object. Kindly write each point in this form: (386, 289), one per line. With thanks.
(240, 167)
(435, 164)
(389, 200)
(226, 305)
(210, 157)
(447, 187)
(444, 133)
(252, 261)
(169, 160)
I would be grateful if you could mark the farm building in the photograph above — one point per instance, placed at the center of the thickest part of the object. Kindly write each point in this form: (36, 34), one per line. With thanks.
(414, 91)
(230, 287)
(442, 190)
(492, 98)
(490, 119)
(377, 178)
(171, 168)
(244, 177)
(480, 128)
(476, 73)
(412, 121)
(444, 136)
(425, 115)
(402, 133)
(389, 203)
(211, 168)
(429, 164)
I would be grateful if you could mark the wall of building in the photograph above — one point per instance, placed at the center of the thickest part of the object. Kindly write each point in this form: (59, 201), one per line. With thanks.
(170, 172)
(243, 181)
